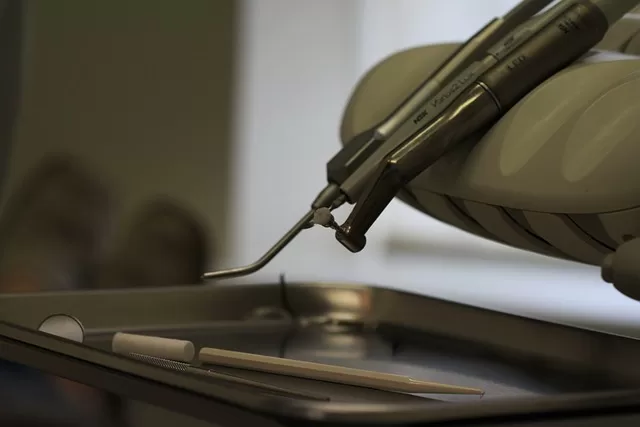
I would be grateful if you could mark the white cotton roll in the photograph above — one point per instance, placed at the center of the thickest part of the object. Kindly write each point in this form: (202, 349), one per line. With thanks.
(165, 348)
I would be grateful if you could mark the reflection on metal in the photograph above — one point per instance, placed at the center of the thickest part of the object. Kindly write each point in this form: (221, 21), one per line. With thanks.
(268, 313)
(328, 346)
(330, 305)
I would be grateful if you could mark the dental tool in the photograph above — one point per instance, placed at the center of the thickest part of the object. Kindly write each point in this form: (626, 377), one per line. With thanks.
(352, 187)
(560, 42)
(344, 172)
(329, 373)
(224, 377)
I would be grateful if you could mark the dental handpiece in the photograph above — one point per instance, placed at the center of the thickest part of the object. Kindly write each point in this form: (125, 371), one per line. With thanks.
(348, 160)
(351, 188)
(346, 165)
(559, 43)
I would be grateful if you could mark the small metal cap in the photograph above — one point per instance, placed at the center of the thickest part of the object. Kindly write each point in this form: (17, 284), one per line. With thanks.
(323, 217)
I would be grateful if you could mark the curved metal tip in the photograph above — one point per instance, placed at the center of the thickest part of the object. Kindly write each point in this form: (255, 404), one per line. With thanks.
(304, 223)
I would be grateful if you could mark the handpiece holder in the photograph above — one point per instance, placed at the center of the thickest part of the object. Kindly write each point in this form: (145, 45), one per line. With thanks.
(565, 189)
(558, 43)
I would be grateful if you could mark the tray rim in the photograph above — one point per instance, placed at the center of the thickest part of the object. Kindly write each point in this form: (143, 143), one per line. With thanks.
(188, 395)
(41, 347)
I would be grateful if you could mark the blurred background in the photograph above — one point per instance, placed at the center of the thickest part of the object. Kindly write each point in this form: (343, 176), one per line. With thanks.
(198, 134)
(155, 139)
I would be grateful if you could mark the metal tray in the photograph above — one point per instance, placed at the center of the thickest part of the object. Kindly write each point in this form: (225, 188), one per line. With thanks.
(525, 366)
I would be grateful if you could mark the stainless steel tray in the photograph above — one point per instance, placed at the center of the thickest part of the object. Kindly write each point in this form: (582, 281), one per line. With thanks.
(522, 364)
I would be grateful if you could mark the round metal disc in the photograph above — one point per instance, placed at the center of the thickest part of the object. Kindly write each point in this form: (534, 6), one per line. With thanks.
(63, 326)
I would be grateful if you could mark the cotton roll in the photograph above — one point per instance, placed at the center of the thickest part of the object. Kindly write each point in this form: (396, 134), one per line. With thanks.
(165, 348)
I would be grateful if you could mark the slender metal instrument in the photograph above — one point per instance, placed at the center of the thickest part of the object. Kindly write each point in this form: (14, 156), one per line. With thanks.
(233, 379)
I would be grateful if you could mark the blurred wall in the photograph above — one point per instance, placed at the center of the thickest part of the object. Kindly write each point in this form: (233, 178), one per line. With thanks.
(298, 63)
(141, 91)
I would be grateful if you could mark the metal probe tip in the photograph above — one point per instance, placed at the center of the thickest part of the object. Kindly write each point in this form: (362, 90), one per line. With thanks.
(305, 222)
(330, 196)
(321, 216)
